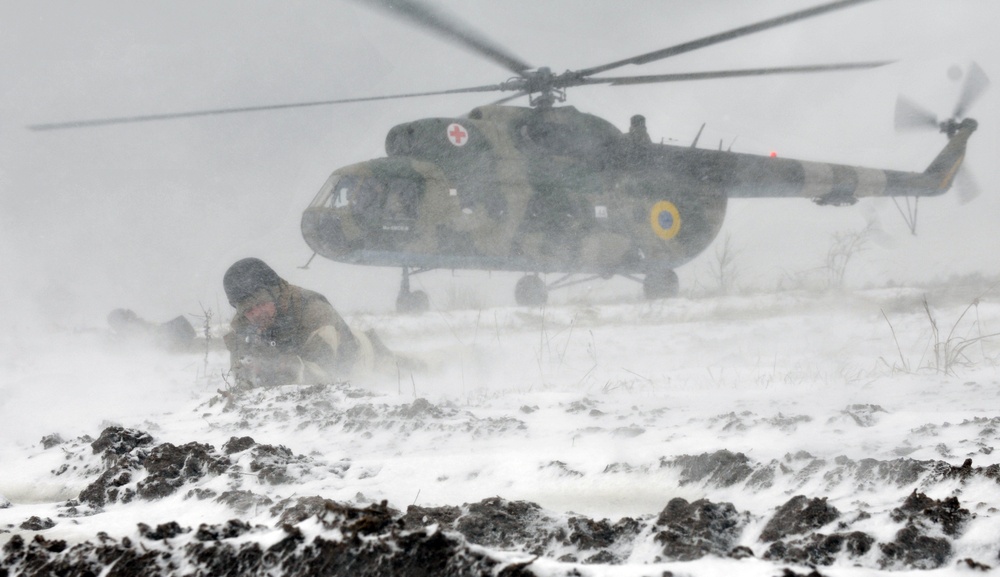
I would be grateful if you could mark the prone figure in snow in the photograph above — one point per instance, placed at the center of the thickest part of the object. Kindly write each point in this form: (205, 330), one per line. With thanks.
(283, 334)
(176, 335)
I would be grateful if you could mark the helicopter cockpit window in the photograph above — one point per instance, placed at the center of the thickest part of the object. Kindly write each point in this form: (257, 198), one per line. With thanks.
(372, 200)
(367, 201)
(381, 202)
(406, 195)
(337, 192)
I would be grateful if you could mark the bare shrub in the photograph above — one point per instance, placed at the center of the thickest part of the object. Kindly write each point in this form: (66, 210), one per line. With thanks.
(952, 350)
(844, 246)
(724, 269)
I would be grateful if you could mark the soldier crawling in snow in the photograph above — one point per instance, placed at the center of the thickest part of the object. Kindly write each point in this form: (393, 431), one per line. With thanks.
(283, 334)
(176, 335)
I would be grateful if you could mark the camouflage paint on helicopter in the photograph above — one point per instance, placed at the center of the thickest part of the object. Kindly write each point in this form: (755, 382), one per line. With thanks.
(546, 190)
(558, 190)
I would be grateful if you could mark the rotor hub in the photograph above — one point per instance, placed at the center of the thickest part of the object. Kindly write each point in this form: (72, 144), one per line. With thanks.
(952, 126)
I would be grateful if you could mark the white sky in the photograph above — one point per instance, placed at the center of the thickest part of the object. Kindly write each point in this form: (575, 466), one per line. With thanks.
(149, 216)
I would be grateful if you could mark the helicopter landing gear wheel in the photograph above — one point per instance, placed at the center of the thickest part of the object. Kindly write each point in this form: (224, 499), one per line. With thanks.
(530, 291)
(660, 284)
(411, 302)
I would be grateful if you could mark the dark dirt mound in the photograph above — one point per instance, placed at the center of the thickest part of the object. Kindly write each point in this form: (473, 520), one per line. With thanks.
(693, 530)
(524, 526)
(864, 415)
(169, 467)
(35, 523)
(417, 517)
(505, 524)
(379, 540)
(120, 441)
(721, 468)
(362, 542)
(49, 441)
(271, 463)
(352, 410)
(123, 451)
(243, 501)
(820, 549)
(374, 539)
(918, 509)
(727, 469)
(415, 554)
(135, 469)
(603, 537)
(237, 445)
(798, 516)
(913, 546)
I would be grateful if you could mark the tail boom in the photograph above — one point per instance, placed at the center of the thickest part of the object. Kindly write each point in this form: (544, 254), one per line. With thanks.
(825, 183)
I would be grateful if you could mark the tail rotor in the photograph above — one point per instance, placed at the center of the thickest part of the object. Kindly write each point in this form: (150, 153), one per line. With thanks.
(976, 83)
(910, 116)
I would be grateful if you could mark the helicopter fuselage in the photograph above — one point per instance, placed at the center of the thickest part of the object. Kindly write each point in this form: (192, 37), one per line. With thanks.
(558, 190)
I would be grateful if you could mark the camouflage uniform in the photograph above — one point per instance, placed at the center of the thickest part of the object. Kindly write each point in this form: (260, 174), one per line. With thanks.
(307, 343)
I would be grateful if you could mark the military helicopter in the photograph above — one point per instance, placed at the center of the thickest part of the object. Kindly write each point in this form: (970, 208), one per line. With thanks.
(550, 189)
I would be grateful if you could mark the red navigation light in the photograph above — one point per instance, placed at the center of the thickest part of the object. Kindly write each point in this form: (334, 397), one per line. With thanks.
(774, 154)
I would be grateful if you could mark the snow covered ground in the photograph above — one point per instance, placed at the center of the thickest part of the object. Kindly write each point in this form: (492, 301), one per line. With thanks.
(552, 436)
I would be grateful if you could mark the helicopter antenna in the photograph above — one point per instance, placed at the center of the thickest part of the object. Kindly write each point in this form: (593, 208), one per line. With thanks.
(306, 266)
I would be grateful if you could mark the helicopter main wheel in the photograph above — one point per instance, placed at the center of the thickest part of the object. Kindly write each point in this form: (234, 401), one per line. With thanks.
(660, 284)
(530, 291)
(412, 302)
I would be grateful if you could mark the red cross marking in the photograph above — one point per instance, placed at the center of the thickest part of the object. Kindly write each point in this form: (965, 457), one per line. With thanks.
(457, 134)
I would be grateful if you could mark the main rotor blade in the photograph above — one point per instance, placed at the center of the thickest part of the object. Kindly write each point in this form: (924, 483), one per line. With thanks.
(220, 111)
(724, 36)
(624, 80)
(450, 28)
(912, 116)
(976, 83)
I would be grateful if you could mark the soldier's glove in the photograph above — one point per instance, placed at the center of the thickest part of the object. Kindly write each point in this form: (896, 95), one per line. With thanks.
(246, 372)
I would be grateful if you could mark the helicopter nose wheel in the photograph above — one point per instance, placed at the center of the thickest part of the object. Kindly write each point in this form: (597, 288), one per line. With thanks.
(660, 283)
(410, 302)
(530, 291)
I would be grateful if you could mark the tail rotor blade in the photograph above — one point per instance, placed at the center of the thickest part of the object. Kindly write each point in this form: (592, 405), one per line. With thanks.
(968, 187)
(912, 116)
(976, 83)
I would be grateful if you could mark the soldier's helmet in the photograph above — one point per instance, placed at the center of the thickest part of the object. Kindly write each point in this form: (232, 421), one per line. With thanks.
(247, 276)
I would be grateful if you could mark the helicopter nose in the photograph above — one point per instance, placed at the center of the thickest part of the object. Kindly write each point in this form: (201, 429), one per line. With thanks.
(324, 233)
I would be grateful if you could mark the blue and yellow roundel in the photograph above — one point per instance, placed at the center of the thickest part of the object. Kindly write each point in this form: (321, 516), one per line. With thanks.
(665, 219)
